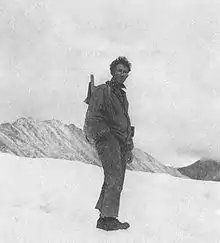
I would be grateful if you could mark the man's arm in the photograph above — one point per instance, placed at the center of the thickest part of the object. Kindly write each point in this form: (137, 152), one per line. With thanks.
(129, 145)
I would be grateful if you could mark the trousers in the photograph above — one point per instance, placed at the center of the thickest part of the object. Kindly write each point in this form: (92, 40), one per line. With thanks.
(112, 156)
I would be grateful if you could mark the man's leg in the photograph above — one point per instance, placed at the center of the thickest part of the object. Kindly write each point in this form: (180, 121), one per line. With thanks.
(123, 162)
(101, 197)
(109, 152)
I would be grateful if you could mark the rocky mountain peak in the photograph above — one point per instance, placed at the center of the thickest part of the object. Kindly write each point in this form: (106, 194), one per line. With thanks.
(34, 138)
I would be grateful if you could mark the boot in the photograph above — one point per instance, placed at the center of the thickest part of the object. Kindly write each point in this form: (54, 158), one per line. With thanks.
(109, 223)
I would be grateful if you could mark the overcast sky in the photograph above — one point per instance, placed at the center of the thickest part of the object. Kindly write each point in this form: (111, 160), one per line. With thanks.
(48, 49)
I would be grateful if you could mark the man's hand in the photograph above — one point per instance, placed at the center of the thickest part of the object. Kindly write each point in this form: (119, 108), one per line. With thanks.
(129, 157)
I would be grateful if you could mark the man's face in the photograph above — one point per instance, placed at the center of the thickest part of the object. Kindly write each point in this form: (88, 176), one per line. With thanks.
(120, 74)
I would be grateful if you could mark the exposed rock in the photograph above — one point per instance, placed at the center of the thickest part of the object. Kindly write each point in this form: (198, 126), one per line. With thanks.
(51, 138)
(204, 169)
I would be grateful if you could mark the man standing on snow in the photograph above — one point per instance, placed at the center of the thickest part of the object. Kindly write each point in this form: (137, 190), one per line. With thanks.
(108, 127)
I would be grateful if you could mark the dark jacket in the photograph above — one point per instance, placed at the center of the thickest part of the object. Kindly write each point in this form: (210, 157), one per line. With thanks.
(108, 112)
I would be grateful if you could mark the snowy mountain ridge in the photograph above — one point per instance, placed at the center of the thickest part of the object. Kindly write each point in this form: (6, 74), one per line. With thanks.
(203, 169)
(28, 137)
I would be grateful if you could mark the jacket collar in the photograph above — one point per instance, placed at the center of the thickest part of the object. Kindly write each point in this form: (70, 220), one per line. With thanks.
(115, 85)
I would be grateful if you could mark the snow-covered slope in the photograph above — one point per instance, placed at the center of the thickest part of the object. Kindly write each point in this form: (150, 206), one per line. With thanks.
(46, 200)
(53, 139)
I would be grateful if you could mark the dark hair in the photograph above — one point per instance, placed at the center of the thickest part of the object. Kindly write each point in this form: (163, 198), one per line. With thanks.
(120, 60)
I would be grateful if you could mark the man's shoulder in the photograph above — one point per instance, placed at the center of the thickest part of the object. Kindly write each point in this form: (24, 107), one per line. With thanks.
(105, 88)
(101, 86)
